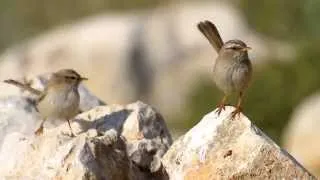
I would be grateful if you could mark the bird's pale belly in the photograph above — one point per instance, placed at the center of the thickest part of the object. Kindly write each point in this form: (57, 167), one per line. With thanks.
(232, 77)
(59, 105)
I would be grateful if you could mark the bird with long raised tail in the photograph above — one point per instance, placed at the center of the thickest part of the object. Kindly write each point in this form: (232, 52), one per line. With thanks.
(232, 70)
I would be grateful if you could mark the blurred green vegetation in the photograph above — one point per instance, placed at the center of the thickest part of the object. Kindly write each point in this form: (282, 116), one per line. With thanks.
(24, 19)
(278, 87)
(287, 19)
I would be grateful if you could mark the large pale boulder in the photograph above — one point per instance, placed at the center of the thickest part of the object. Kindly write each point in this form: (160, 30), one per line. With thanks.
(301, 136)
(112, 142)
(221, 148)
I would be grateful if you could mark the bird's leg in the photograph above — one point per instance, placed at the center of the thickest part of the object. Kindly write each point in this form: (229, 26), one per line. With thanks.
(72, 134)
(221, 105)
(238, 109)
(39, 131)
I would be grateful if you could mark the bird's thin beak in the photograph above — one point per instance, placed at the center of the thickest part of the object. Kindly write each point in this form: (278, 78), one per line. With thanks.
(83, 79)
(246, 49)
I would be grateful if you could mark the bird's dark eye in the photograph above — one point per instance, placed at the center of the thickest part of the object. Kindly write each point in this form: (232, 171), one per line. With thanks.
(71, 77)
(233, 48)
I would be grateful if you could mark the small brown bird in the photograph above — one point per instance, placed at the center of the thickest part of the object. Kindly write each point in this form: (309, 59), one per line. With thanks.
(232, 70)
(60, 98)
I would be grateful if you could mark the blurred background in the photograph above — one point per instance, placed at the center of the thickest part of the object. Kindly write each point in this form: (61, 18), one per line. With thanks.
(152, 51)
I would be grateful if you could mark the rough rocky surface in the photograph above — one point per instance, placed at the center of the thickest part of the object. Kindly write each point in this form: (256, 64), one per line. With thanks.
(17, 114)
(112, 142)
(133, 142)
(220, 148)
(301, 136)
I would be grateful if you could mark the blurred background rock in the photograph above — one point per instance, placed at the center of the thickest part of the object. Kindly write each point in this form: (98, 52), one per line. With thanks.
(152, 50)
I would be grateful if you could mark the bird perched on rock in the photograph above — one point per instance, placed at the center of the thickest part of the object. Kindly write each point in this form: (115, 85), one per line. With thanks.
(60, 98)
(232, 69)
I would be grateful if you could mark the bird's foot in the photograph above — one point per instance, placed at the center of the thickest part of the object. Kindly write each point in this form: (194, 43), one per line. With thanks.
(72, 135)
(140, 135)
(220, 108)
(70, 128)
(236, 112)
(39, 131)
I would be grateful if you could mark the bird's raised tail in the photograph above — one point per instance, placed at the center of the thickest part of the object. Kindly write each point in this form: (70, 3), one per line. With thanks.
(210, 31)
(23, 86)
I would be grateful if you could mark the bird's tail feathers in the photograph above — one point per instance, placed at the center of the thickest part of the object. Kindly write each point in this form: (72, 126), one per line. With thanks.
(23, 86)
(210, 31)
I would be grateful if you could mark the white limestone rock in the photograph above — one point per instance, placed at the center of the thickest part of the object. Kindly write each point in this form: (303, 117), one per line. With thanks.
(221, 148)
(112, 142)
(17, 114)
